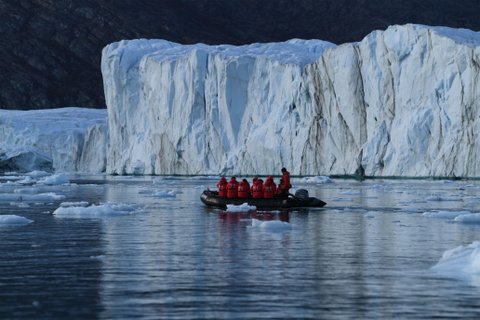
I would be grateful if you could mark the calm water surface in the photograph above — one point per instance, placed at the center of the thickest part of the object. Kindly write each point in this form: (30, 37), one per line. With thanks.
(366, 255)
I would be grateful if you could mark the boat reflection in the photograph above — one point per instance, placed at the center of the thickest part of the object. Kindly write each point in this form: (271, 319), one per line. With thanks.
(236, 217)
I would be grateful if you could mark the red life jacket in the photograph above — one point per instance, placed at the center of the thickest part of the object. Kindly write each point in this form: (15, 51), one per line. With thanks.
(222, 188)
(269, 189)
(232, 189)
(257, 190)
(243, 189)
(253, 183)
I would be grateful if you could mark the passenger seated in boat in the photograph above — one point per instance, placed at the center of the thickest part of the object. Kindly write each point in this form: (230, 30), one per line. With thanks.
(269, 188)
(255, 179)
(243, 189)
(257, 189)
(222, 187)
(232, 188)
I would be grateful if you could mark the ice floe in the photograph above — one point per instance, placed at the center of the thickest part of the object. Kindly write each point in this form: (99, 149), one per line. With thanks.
(462, 262)
(10, 220)
(315, 180)
(74, 204)
(473, 218)
(272, 225)
(166, 194)
(40, 197)
(240, 208)
(56, 179)
(466, 217)
(94, 211)
(444, 214)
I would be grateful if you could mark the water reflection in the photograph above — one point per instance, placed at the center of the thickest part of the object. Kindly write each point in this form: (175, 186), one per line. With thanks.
(50, 268)
(236, 217)
(366, 255)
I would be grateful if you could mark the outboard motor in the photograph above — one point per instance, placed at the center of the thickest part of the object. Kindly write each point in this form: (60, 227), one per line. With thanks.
(302, 194)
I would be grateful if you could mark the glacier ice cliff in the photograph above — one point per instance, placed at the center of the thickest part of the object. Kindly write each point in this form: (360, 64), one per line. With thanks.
(62, 140)
(401, 102)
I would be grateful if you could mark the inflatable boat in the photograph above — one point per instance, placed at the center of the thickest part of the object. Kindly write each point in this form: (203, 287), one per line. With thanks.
(299, 200)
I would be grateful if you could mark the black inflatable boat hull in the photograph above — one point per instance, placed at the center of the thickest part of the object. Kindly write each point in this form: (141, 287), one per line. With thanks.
(211, 198)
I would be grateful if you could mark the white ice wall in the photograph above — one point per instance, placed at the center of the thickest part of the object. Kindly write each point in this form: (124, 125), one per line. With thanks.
(401, 102)
(74, 138)
(422, 107)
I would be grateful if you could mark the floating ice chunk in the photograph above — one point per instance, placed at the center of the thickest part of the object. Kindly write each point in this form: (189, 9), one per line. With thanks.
(166, 194)
(48, 196)
(240, 208)
(473, 218)
(55, 180)
(74, 204)
(273, 225)
(444, 214)
(10, 219)
(94, 211)
(462, 262)
(316, 179)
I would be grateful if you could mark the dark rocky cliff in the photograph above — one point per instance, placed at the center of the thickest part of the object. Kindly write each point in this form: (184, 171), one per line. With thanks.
(50, 50)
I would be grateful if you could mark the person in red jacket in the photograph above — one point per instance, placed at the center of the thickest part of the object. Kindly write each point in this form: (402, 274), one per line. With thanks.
(222, 187)
(285, 185)
(243, 189)
(257, 189)
(232, 188)
(269, 188)
(255, 179)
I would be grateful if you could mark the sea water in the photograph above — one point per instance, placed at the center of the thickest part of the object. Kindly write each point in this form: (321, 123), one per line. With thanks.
(103, 247)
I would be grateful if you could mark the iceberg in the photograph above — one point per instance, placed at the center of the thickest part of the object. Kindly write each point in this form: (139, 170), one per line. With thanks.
(61, 140)
(401, 102)
(201, 109)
